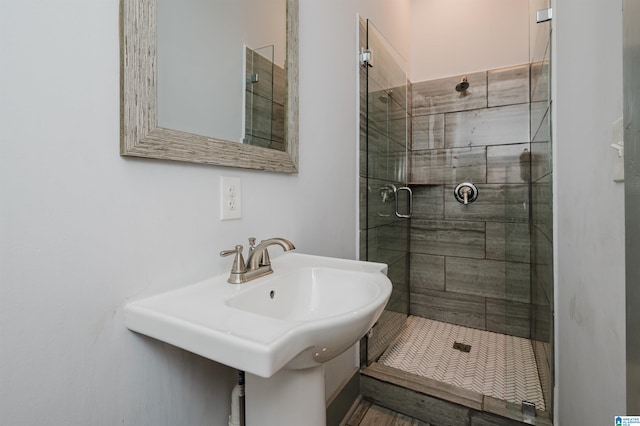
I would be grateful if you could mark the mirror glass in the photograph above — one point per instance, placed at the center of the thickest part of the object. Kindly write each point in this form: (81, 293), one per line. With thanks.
(210, 81)
(221, 69)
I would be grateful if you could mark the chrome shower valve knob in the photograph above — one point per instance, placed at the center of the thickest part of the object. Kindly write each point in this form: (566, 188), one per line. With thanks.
(466, 193)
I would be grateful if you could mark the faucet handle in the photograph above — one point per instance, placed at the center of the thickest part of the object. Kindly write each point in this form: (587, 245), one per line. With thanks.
(238, 262)
(264, 259)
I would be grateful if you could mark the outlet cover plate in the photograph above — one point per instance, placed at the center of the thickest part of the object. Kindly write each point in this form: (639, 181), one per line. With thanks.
(230, 198)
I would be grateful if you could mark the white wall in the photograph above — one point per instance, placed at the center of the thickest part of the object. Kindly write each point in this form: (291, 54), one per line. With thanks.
(589, 213)
(465, 36)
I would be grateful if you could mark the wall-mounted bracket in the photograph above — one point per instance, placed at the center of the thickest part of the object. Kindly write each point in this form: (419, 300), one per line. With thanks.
(544, 15)
(366, 57)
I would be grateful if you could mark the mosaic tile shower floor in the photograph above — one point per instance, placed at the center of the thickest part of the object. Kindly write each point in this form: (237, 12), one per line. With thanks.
(498, 365)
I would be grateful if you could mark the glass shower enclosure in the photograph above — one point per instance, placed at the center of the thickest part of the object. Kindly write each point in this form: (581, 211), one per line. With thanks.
(494, 264)
(384, 198)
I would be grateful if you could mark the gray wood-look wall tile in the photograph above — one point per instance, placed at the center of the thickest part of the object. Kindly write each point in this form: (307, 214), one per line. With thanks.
(409, 121)
(460, 309)
(489, 126)
(426, 272)
(542, 205)
(394, 237)
(398, 122)
(379, 249)
(487, 419)
(260, 126)
(377, 143)
(541, 322)
(541, 268)
(378, 109)
(483, 249)
(540, 82)
(440, 166)
(508, 86)
(399, 300)
(387, 159)
(428, 132)
(508, 241)
(508, 163)
(399, 95)
(428, 201)
(362, 202)
(507, 317)
(398, 271)
(363, 152)
(378, 416)
(258, 64)
(437, 96)
(448, 238)
(414, 404)
(541, 148)
(278, 85)
(490, 278)
(495, 203)
(277, 125)
(540, 77)
(539, 113)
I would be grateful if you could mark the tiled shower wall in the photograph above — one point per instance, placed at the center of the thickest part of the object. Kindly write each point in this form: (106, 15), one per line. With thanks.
(265, 99)
(470, 264)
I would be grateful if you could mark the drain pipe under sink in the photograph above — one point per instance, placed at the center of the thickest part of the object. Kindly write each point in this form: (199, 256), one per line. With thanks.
(237, 417)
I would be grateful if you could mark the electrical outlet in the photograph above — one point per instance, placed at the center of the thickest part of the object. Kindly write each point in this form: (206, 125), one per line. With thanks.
(230, 198)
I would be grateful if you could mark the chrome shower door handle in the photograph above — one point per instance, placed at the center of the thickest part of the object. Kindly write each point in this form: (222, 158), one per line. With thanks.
(410, 195)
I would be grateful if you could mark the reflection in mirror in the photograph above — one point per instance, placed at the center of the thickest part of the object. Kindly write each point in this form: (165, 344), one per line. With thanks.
(202, 82)
(264, 89)
(264, 106)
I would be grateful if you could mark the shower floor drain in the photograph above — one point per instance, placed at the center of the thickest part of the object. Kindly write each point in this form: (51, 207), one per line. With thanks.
(499, 365)
(462, 347)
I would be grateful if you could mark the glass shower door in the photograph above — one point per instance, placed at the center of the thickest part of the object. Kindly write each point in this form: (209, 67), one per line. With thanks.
(541, 225)
(383, 175)
(528, 242)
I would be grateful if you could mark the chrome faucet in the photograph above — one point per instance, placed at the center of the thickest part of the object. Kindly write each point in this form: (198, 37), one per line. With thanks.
(258, 263)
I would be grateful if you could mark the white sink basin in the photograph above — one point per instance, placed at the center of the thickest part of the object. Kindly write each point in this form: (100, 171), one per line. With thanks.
(307, 312)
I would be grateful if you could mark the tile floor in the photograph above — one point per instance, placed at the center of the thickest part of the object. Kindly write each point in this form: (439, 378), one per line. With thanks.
(497, 365)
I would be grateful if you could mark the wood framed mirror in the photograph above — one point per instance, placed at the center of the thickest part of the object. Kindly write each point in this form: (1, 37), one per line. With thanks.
(140, 134)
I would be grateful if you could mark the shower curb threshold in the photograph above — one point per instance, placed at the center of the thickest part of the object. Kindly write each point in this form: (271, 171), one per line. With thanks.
(451, 394)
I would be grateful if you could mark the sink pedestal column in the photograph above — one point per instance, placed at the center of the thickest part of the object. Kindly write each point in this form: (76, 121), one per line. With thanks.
(289, 397)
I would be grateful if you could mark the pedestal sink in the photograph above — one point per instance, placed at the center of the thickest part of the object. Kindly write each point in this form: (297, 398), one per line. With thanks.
(279, 329)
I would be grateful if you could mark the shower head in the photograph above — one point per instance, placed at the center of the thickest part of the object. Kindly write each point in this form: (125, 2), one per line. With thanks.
(463, 85)
(386, 96)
